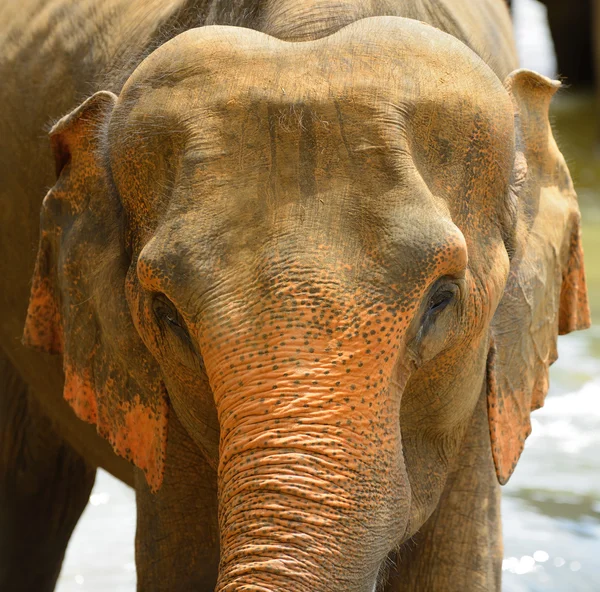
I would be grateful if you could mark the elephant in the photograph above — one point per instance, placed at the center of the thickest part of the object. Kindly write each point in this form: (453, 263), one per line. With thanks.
(297, 278)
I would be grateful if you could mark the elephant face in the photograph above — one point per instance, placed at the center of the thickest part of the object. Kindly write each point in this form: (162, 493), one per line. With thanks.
(301, 249)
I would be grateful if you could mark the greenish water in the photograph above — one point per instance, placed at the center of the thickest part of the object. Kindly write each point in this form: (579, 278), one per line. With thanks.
(551, 506)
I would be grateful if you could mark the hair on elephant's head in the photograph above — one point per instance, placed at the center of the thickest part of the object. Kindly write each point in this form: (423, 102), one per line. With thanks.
(316, 254)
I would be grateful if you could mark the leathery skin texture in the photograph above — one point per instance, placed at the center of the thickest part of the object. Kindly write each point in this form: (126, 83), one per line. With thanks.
(309, 319)
(315, 239)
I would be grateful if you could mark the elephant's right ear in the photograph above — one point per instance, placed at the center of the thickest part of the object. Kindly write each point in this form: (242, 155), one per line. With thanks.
(73, 138)
(78, 306)
(545, 293)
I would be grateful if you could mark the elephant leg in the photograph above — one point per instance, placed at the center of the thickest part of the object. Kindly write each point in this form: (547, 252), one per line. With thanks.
(572, 32)
(460, 546)
(44, 487)
(177, 538)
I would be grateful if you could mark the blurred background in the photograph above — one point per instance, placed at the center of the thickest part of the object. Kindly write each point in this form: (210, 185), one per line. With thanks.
(551, 506)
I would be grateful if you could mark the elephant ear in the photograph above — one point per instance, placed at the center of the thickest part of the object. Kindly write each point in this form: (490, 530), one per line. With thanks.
(78, 305)
(545, 294)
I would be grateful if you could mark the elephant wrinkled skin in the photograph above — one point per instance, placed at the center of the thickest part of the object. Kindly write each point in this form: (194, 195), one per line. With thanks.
(305, 273)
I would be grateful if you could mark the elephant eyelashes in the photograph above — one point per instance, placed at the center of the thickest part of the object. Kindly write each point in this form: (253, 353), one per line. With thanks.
(168, 315)
(440, 299)
(433, 332)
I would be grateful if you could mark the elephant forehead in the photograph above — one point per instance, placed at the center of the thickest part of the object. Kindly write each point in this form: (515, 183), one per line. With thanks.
(389, 50)
(233, 112)
(389, 61)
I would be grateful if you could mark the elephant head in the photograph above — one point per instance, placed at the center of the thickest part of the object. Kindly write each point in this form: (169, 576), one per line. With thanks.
(317, 255)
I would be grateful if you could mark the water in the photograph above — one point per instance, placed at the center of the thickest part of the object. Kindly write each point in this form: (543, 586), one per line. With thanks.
(551, 506)
(100, 556)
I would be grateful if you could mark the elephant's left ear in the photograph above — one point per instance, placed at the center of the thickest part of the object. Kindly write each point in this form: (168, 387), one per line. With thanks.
(545, 294)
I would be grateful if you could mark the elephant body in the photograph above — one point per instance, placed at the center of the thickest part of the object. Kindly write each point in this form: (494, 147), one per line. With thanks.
(274, 269)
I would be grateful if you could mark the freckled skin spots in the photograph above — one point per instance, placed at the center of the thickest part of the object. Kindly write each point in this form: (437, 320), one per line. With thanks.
(307, 316)
(79, 392)
(43, 317)
(308, 277)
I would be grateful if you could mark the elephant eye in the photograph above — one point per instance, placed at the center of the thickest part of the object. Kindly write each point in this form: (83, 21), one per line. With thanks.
(166, 313)
(440, 299)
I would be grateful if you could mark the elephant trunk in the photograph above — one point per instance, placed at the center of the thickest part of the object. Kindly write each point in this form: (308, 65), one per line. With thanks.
(307, 379)
(312, 487)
